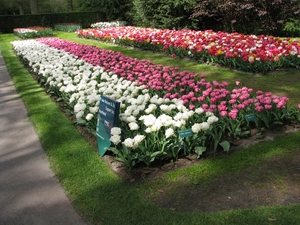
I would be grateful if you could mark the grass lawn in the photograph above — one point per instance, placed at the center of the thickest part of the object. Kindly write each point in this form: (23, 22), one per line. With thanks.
(102, 197)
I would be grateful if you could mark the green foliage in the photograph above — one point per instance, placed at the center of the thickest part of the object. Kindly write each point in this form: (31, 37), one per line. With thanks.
(292, 27)
(126, 156)
(199, 151)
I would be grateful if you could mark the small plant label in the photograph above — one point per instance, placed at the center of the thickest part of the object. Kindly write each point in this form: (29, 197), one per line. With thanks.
(185, 133)
(250, 117)
(108, 115)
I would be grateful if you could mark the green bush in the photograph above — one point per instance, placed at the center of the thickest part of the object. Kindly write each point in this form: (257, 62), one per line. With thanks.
(67, 27)
(292, 28)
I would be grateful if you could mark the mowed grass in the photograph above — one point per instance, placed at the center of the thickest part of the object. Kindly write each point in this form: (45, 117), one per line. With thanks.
(102, 197)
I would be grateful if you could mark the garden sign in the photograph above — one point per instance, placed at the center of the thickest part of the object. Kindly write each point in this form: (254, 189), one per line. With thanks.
(108, 115)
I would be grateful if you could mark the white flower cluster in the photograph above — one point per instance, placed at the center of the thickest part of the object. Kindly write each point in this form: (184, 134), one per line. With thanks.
(128, 142)
(108, 24)
(115, 135)
(134, 142)
(25, 30)
(64, 72)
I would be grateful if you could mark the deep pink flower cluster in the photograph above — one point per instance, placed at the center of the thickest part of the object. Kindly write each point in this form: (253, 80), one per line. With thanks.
(250, 48)
(169, 82)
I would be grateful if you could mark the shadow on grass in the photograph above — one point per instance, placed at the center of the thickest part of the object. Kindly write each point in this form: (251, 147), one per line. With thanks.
(264, 175)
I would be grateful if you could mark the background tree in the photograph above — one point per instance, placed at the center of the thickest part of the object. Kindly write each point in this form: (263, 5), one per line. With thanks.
(21, 6)
(113, 9)
(260, 16)
(230, 13)
(164, 13)
(13, 7)
(274, 14)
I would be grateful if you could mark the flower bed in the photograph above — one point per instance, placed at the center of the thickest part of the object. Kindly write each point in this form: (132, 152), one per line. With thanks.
(67, 27)
(245, 52)
(151, 116)
(33, 32)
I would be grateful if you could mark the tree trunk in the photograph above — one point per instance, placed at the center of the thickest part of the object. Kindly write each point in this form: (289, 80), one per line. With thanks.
(70, 6)
(21, 7)
(34, 6)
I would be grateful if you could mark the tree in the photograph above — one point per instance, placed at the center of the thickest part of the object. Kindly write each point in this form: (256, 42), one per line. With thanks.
(12, 7)
(109, 9)
(228, 12)
(164, 13)
(267, 15)
(273, 14)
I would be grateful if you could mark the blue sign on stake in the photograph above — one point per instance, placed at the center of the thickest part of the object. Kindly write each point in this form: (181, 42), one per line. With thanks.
(108, 116)
(250, 117)
(183, 134)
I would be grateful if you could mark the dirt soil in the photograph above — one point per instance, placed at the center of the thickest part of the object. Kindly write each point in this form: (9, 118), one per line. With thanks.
(278, 182)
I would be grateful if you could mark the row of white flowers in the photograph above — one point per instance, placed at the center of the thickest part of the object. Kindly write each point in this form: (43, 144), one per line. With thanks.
(108, 24)
(82, 84)
(25, 30)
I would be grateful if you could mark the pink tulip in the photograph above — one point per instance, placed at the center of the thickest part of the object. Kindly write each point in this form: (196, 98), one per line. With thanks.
(222, 108)
(223, 113)
(281, 104)
(241, 106)
(268, 107)
(204, 107)
(233, 114)
(259, 92)
(192, 107)
(201, 98)
(259, 108)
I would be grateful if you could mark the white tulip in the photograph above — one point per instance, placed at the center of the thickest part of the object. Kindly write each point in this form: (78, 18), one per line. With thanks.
(116, 139)
(115, 131)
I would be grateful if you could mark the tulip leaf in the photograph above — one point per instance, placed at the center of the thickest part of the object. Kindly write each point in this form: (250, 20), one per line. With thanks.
(225, 145)
(199, 150)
